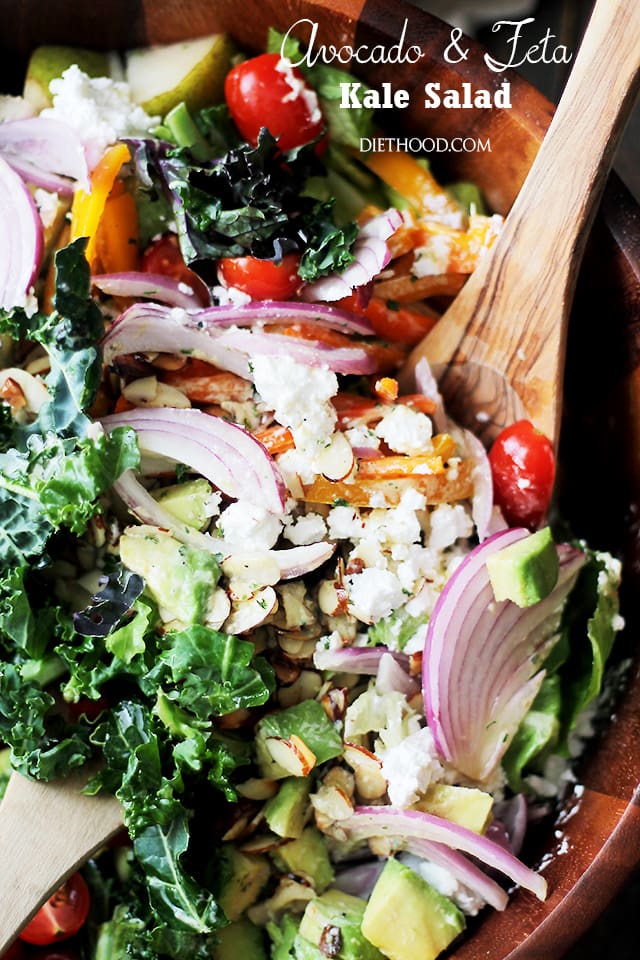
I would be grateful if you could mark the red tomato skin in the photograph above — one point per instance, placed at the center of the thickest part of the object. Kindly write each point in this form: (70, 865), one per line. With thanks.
(257, 96)
(261, 279)
(523, 470)
(163, 256)
(61, 916)
(15, 952)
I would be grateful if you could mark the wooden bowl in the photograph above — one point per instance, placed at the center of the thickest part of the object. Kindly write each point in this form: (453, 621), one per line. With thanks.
(595, 843)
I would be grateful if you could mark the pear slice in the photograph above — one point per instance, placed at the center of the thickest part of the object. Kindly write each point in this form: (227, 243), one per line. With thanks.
(194, 70)
(47, 63)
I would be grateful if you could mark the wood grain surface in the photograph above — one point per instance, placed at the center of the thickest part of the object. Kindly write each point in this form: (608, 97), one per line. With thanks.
(600, 453)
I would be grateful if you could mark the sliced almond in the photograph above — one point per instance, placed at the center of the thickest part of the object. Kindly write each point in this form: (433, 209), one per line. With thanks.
(262, 843)
(219, 609)
(332, 802)
(341, 778)
(290, 895)
(248, 614)
(258, 788)
(370, 784)
(334, 703)
(306, 687)
(293, 755)
(259, 570)
(336, 461)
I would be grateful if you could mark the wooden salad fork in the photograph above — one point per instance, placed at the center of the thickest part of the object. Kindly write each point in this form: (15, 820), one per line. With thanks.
(498, 351)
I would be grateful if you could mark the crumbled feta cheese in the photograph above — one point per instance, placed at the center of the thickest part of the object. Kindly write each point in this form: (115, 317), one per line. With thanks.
(249, 526)
(299, 397)
(449, 522)
(15, 108)
(432, 259)
(374, 594)
(99, 109)
(230, 296)
(212, 504)
(362, 436)
(406, 431)
(308, 529)
(345, 523)
(410, 767)
(445, 883)
(298, 88)
(47, 204)
(387, 714)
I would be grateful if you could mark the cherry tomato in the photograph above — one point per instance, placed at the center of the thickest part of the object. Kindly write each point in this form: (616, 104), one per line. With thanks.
(261, 279)
(15, 952)
(163, 256)
(523, 469)
(61, 916)
(258, 94)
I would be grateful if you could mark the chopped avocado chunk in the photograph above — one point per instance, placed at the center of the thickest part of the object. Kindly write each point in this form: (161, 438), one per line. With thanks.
(333, 923)
(287, 944)
(243, 877)
(187, 501)
(185, 133)
(285, 813)
(241, 940)
(179, 578)
(467, 806)
(306, 720)
(307, 857)
(406, 918)
(526, 571)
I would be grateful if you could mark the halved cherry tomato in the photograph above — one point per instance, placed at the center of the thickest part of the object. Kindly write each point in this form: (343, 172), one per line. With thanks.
(261, 279)
(523, 469)
(163, 256)
(15, 952)
(61, 916)
(259, 94)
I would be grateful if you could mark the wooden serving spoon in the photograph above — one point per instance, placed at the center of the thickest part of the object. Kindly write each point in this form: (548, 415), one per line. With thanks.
(501, 345)
(498, 351)
(47, 830)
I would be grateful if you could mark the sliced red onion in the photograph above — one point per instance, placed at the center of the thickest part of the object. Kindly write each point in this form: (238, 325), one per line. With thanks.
(481, 658)
(20, 238)
(291, 563)
(44, 151)
(392, 677)
(287, 311)
(146, 327)
(152, 286)
(482, 500)
(221, 451)
(310, 353)
(427, 385)
(367, 453)
(371, 256)
(409, 825)
(513, 814)
(365, 660)
(359, 880)
(462, 869)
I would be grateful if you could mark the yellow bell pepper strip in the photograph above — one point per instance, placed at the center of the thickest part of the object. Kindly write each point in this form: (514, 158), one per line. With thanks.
(118, 234)
(417, 185)
(88, 207)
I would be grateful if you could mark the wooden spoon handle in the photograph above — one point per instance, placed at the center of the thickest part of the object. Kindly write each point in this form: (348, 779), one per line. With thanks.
(510, 315)
(47, 830)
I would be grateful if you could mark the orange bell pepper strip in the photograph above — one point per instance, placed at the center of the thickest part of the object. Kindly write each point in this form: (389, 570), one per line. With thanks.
(88, 207)
(445, 487)
(118, 234)
(276, 439)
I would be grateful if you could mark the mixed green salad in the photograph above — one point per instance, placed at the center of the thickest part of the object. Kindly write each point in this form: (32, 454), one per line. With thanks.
(327, 651)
